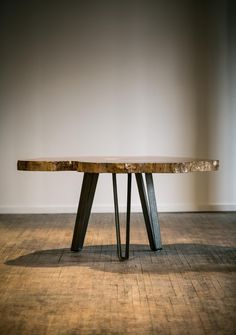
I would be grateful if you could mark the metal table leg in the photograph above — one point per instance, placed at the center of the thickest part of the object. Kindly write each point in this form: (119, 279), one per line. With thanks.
(148, 202)
(84, 209)
(149, 207)
(117, 220)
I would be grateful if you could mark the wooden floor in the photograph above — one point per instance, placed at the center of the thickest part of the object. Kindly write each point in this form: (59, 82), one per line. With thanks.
(187, 288)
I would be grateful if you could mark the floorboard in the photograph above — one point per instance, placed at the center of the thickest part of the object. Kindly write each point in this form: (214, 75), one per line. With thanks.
(187, 288)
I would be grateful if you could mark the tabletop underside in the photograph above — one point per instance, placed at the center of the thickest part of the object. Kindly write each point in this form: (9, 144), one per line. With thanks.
(118, 164)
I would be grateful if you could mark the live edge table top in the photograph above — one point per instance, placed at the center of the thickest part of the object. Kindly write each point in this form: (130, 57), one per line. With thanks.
(116, 164)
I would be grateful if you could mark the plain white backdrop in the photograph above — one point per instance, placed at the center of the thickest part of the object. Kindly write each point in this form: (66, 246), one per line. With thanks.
(117, 78)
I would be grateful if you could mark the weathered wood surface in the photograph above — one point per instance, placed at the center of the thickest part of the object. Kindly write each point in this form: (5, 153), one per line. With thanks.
(187, 288)
(145, 164)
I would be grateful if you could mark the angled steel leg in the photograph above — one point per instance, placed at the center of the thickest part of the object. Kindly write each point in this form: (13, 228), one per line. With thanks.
(153, 210)
(84, 209)
(149, 210)
(117, 220)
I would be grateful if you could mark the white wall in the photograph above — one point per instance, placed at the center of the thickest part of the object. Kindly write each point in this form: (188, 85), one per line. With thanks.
(116, 78)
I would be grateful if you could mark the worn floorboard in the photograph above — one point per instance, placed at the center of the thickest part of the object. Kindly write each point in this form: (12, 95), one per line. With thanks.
(187, 288)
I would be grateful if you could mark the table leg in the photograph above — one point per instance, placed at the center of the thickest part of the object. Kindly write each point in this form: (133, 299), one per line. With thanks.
(148, 202)
(84, 209)
(117, 220)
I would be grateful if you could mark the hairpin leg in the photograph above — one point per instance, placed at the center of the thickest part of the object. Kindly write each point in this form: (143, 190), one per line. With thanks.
(117, 220)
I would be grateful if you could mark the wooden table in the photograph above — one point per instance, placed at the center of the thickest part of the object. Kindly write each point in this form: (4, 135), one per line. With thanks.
(92, 166)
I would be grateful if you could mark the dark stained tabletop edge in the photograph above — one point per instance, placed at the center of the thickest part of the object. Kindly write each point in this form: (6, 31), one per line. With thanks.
(121, 165)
